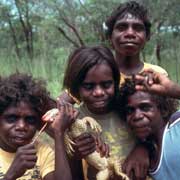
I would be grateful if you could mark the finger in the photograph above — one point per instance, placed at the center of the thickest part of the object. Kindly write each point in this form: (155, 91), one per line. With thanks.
(86, 153)
(75, 113)
(137, 172)
(102, 149)
(140, 88)
(90, 147)
(69, 111)
(99, 141)
(129, 171)
(85, 142)
(148, 70)
(139, 78)
(144, 172)
(30, 146)
(29, 164)
(84, 136)
(30, 157)
(107, 151)
(49, 115)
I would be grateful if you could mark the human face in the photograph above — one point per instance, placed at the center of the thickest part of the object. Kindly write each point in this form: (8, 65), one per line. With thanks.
(18, 124)
(143, 115)
(97, 89)
(128, 36)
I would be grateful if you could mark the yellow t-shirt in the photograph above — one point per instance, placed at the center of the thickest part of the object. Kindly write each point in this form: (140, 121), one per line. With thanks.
(156, 68)
(44, 165)
(114, 132)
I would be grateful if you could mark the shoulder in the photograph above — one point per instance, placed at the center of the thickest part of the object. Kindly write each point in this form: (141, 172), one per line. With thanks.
(155, 68)
(43, 149)
(46, 158)
(175, 118)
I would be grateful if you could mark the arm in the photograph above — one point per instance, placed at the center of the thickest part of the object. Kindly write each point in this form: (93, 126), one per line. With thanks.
(25, 159)
(137, 163)
(60, 122)
(157, 83)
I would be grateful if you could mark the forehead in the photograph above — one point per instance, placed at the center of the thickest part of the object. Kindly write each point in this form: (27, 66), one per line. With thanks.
(101, 71)
(129, 18)
(20, 108)
(140, 97)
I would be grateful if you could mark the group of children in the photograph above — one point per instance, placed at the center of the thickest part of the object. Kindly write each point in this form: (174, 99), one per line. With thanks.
(133, 119)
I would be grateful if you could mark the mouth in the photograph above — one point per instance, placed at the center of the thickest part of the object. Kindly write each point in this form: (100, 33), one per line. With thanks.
(20, 140)
(100, 103)
(142, 133)
(129, 43)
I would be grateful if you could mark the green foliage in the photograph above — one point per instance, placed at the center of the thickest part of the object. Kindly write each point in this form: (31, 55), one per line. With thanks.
(46, 67)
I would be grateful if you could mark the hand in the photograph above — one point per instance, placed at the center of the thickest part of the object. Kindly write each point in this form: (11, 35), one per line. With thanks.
(137, 163)
(102, 147)
(60, 118)
(157, 83)
(25, 159)
(85, 144)
(66, 98)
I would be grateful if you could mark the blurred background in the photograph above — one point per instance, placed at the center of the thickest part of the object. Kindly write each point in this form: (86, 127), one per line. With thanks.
(36, 36)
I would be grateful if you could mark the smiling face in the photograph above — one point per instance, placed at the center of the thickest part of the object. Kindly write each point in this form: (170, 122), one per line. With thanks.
(18, 125)
(128, 36)
(97, 89)
(143, 115)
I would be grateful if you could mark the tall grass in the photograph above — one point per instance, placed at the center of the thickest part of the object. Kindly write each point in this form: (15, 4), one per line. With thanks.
(49, 68)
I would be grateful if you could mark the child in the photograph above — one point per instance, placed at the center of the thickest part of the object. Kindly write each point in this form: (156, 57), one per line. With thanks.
(128, 30)
(149, 116)
(92, 77)
(23, 100)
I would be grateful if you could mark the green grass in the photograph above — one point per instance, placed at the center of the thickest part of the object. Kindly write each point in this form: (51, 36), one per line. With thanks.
(50, 69)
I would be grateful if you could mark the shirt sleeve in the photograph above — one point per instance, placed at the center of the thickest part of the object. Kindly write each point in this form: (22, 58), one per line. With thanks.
(46, 160)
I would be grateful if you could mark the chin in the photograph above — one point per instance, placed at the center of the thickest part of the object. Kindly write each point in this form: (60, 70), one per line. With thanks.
(142, 137)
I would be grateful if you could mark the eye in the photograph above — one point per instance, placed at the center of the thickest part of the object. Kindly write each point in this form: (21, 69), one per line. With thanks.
(139, 27)
(11, 118)
(145, 107)
(31, 120)
(88, 86)
(121, 26)
(107, 84)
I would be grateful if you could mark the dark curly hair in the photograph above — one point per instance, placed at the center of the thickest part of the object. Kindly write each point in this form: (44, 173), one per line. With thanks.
(21, 87)
(166, 105)
(133, 8)
(82, 60)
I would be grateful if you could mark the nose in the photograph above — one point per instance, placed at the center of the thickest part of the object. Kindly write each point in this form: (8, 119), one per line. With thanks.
(138, 115)
(130, 33)
(98, 91)
(20, 124)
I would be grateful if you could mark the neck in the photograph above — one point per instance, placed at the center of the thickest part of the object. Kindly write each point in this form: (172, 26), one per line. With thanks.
(129, 65)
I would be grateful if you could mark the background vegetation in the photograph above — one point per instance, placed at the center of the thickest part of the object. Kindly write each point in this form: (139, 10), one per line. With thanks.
(38, 35)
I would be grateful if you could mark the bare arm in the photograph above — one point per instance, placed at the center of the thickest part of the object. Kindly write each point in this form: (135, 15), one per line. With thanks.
(157, 83)
(25, 159)
(137, 163)
(60, 122)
